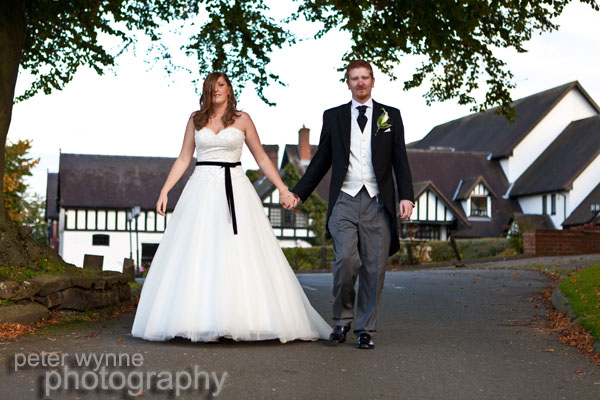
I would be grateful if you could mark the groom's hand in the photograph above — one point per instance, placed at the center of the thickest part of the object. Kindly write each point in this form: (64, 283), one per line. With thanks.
(406, 208)
(290, 201)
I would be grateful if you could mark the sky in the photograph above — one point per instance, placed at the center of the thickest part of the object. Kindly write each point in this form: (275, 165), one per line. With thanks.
(139, 110)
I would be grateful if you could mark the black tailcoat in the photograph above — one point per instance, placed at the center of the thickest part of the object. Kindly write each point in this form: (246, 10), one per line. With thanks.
(388, 153)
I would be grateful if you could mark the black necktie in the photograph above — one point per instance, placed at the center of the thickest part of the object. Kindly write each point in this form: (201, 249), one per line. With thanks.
(362, 118)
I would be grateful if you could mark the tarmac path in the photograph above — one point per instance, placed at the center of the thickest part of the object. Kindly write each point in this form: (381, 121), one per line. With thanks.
(442, 334)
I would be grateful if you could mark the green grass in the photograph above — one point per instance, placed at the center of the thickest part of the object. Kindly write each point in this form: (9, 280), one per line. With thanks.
(583, 291)
(4, 302)
(43, 266)
(134, 284)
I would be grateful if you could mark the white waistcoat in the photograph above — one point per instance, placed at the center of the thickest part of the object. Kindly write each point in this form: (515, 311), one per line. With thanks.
(360, 168)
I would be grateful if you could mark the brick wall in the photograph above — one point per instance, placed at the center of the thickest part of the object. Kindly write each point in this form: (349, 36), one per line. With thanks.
(552, 242)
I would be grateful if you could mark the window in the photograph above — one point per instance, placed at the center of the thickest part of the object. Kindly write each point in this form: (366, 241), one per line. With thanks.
(420, 231)
(479, 206)
(275, 216)
(301, 220)
(544, 205)
(553, 204)
(100, 240)
(148, 252)
(289, 218)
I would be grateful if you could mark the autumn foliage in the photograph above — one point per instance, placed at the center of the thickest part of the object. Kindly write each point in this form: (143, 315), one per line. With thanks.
(18, 166)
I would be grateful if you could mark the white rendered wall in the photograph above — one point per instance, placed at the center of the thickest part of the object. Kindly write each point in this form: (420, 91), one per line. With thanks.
(534, 205)
(78, 243)
(443, 232)
(294, 243)
(61, 230)
(531, 204)
(572, 107)
(584, 184)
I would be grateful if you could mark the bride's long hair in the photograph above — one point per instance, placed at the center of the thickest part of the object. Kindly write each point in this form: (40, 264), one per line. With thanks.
(206, 102)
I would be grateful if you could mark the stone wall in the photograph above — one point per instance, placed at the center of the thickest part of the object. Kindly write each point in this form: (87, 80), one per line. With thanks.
(36, 296)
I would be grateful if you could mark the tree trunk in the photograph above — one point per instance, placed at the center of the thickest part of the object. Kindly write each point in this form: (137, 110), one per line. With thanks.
(16, 248)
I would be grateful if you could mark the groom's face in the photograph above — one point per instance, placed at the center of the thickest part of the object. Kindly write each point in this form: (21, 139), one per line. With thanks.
(360, 82)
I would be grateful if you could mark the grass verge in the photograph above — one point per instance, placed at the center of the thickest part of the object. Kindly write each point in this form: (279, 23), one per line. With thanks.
(43, 266)
(583, 291)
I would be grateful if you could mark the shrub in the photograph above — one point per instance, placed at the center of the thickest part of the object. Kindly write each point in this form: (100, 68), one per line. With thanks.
(441, 250)
(480, 248)
(307, 258)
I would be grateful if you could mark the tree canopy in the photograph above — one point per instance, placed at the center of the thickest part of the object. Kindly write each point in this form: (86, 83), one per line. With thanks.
(456, 39)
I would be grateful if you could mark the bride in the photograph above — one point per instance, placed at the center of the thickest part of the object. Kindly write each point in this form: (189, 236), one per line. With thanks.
(219, 270)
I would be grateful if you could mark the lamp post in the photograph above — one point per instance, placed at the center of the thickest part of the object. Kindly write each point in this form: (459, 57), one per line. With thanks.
(131, 214)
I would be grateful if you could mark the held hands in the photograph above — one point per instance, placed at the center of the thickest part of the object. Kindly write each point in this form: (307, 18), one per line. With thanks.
(161, 204)
(289, 200)
(406, 209)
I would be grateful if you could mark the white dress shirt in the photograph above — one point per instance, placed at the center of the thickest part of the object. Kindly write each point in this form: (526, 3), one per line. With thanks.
(360, 168)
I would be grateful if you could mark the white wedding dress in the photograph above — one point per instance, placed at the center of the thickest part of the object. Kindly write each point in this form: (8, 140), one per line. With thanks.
(205, 282)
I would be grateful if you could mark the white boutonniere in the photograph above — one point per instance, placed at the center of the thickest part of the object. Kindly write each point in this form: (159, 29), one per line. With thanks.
(383, 122)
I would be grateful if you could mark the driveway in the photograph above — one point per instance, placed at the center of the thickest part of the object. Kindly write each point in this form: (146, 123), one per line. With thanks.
(443, 334)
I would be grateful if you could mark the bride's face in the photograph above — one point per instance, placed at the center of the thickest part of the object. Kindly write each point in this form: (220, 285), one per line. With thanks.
(220, 92)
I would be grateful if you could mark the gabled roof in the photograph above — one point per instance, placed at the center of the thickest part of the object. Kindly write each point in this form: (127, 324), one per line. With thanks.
(101, 181)
(534, 221)
(446, 168)
(291, 154)
(52, 196)
(420, 187)
(567, 157)
(491, 133)
(264, 187)
(583, 213)
(466, 186)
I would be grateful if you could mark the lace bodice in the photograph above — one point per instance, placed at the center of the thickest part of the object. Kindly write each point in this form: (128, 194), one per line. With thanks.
(225, 146)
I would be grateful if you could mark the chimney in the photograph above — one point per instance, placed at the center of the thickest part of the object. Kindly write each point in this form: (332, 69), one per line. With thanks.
(304, 145)
(272, 151)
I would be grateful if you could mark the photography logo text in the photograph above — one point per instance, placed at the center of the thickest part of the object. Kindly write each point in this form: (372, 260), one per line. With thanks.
(113, 372)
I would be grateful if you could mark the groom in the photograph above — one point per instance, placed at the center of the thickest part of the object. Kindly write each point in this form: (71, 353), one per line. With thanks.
(363, 142)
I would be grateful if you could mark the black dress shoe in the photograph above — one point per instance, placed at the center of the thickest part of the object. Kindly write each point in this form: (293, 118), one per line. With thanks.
(365, 341)
(339, 334)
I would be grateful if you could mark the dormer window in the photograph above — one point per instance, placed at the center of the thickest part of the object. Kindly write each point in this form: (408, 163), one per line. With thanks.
(479, 206)
(475, 196)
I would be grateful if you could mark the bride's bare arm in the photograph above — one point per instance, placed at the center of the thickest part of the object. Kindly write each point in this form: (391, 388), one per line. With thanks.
(264, 162)
(179, 166)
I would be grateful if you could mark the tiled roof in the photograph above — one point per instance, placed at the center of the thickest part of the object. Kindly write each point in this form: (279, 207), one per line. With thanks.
(466, 186)
(558, 166)
(446, 168)
(534, 221)
(583, 213)
(420, 187)
(491, 133)
(101, 181)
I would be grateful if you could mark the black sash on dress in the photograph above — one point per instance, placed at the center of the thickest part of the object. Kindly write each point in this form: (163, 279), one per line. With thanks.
(228, 186)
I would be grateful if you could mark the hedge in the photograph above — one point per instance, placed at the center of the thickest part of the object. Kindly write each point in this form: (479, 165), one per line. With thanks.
(304, 259)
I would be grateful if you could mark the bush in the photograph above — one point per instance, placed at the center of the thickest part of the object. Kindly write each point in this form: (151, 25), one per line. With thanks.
(307, 258)
(441, 250)
(480, 248)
